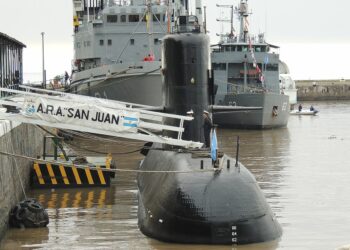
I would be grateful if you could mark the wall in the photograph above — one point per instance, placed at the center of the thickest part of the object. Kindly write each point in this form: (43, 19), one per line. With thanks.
(323, 90)
(23, 140)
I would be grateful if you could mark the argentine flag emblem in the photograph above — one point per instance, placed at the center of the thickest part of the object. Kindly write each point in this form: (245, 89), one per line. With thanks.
(214, 145)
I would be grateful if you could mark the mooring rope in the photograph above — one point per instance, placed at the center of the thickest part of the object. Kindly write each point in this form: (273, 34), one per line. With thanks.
(96, 138)
(89, 136)
(76, 146)
(115, 170)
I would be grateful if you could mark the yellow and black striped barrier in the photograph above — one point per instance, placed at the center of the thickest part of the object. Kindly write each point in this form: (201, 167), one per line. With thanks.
(49, 175)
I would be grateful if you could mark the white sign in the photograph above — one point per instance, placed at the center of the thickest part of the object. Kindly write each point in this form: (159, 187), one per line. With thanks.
(86, 115)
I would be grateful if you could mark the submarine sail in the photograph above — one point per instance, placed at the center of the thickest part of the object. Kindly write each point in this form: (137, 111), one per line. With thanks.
(194, 202)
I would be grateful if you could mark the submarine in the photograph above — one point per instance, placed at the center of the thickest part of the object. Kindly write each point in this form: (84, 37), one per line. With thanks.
(198, 201)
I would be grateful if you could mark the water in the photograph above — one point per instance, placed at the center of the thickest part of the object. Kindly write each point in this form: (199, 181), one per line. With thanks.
(303, 171)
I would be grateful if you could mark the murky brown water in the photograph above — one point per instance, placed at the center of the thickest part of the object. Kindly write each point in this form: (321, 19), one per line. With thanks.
(303, 170)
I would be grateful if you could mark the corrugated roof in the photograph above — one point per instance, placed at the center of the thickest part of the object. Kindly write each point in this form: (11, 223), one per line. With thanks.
(12, 40)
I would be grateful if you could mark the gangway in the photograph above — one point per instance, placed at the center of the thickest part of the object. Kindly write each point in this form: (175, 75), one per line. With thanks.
(93, 115)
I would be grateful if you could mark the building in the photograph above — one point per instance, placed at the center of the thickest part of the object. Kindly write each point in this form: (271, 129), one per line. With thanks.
(11, 61)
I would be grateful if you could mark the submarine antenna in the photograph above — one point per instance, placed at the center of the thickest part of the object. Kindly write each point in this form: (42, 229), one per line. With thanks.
(237, 152)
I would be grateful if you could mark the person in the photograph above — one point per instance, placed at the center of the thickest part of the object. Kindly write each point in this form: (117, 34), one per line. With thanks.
(208, 124)
(300, 107)
(196, 27)
(66, 78)
(312, 108)
(186, 135)
(76, 24)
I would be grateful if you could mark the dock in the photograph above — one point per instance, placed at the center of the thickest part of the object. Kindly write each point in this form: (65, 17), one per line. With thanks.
(15, 173)
(323, 90)
(14, 137)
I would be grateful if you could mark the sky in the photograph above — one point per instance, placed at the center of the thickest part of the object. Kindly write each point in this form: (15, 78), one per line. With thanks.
(313, 35)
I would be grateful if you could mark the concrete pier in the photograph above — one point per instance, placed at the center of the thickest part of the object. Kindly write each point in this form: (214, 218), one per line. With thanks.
(19, 139)
(323, 90)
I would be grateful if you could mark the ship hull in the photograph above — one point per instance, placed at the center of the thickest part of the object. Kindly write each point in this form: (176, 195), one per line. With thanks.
(266, 118)
(142, 85)
(223, 207)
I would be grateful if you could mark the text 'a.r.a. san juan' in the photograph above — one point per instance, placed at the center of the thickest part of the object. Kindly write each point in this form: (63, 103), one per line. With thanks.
(82, 114)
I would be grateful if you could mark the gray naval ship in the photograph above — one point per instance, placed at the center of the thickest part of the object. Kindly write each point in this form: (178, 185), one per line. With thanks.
(246, 71)
(117, 48)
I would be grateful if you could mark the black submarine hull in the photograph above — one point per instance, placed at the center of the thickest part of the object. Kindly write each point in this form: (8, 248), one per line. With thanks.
(217, 207)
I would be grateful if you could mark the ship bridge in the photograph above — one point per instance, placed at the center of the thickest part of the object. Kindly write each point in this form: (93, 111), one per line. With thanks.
(118, 32)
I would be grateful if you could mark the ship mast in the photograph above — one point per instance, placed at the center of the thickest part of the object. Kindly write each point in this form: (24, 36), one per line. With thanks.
(242, 10)
(149, 18)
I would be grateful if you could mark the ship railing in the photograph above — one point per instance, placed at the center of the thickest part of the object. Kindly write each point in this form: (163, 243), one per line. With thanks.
(11, 86)
(134, 121)
(234, 88)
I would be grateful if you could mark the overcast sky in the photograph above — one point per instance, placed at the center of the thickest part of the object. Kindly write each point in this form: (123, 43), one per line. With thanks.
(314, 35)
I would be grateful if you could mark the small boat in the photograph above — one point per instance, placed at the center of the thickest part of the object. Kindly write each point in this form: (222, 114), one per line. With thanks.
(304, 112)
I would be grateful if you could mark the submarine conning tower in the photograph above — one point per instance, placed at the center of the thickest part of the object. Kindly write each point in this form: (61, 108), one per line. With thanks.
(186, 62)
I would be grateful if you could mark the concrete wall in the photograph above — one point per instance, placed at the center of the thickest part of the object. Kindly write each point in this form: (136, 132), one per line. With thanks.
(25, 140)
(323, 90)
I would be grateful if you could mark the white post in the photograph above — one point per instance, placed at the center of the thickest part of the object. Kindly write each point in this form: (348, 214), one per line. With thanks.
(88, 10)
(199, 12)
(43, 58)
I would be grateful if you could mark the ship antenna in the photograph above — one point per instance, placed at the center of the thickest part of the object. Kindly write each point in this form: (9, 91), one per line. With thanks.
(266, 18)
(149, 19)
(205, 19)
(243, 14)
(232, 30)
(237, 153)
(158, 21)
(150, 16)
(88, 10)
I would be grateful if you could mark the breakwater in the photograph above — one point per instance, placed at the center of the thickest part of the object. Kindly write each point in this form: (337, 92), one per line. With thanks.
(323, 90)
(18, 139)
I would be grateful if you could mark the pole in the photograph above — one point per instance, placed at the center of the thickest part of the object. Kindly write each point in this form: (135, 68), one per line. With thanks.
(199, 12)
(88, 10)
(237, 152)
(43, 55)
(205, 20)
(245, 85)
(231, 21)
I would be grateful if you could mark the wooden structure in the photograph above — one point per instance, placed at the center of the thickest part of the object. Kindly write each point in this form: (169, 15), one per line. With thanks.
(11, 61)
